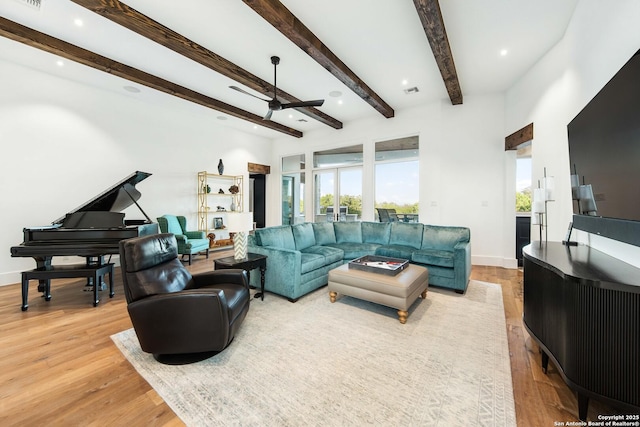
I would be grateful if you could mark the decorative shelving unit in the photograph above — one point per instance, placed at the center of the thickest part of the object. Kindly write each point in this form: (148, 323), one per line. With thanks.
(215, 198)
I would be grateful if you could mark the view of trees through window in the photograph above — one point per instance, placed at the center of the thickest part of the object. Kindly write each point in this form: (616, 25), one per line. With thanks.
(523, 184)
(397, 175)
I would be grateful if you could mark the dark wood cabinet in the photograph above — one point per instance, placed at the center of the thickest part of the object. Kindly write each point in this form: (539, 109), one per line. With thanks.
(582, 307)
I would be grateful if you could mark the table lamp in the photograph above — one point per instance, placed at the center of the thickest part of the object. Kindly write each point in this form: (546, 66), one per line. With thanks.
(240, 223)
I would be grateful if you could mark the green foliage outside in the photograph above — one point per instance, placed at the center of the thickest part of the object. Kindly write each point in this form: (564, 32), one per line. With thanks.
(354, 205)
(401, 209)
(523, 200)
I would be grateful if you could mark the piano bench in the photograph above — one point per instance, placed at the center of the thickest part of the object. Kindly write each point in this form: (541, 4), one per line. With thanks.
(95, 272)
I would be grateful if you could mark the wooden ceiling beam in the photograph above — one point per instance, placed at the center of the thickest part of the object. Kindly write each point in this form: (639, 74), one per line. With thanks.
(135, 21)
(284, 21)
(33, 38)
(433, 24)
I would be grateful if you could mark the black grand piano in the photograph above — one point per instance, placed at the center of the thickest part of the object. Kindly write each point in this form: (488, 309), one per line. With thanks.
(92, 230)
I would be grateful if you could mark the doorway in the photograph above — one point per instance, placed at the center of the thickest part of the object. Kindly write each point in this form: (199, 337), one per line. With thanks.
(257, 198)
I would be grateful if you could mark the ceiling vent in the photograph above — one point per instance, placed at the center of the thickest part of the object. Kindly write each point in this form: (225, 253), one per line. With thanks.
(411, 90)
(33, 4)
(302, 120)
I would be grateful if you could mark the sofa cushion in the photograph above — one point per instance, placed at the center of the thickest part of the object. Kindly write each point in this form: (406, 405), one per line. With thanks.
(311, 262)
(279, 237)
(443, 237)
(376, 232)
(396, 251)
(324, 233)
(433, 257)
(355, 250)
(329, 253)
(348, 232)
(406, 235)
(303, 235)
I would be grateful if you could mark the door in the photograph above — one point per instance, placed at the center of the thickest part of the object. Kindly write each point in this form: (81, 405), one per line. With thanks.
(338, 194)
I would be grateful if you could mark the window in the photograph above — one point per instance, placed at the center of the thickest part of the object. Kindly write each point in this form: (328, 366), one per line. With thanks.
(397, 178)
(338, 184)
(293, 180)
(523, 180)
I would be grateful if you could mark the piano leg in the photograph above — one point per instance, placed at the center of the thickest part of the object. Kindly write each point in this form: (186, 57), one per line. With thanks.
(44, 263)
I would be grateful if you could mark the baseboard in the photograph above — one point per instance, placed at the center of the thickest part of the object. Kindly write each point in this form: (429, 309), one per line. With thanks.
(10, 278)
(494, 261)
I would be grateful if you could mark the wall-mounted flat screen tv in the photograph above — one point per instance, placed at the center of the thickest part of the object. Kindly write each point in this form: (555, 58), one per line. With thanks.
(604, 151)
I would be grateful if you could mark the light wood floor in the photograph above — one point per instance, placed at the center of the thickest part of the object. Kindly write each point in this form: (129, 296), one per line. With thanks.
(58, 365)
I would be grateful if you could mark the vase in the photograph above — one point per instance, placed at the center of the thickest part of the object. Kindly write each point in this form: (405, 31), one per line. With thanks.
(233, 206)
(220, 167)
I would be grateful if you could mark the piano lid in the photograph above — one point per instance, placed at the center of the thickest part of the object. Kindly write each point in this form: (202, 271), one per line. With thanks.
(116, 198)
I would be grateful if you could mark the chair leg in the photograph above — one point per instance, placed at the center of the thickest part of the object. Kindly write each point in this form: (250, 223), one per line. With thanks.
(207, 253)
(190, 259)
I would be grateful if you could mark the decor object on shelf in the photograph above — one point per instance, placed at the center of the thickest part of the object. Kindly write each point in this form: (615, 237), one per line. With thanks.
(217, 223)
(189, 242)
(234, 189)
(240, 224)
(207, 189)
(220, 199)
(220, 167)
(213, 243)
(179, 317)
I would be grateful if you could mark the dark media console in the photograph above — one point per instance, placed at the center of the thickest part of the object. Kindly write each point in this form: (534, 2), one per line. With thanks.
(582, 307)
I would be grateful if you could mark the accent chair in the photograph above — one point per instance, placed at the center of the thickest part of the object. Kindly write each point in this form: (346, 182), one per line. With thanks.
(189, 242)
(179, 317)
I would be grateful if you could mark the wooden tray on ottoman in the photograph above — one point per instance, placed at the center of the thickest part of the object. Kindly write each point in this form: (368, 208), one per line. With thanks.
(379, 264)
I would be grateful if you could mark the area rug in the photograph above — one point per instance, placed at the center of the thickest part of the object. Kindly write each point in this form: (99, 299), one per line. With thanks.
(350, 363)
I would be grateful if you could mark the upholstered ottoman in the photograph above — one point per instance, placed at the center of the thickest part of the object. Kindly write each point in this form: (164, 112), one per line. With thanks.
(399, 291)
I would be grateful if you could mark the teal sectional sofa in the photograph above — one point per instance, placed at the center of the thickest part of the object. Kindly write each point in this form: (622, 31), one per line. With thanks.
(300, 256)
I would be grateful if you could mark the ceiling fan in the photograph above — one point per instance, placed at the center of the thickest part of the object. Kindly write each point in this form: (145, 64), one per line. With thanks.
(274, 104)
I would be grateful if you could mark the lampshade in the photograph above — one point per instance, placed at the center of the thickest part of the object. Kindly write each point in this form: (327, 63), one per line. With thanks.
(549, 188)
(538, 200)
(239, 222)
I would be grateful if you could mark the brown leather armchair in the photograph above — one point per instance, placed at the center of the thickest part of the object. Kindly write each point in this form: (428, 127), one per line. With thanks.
(179, 317)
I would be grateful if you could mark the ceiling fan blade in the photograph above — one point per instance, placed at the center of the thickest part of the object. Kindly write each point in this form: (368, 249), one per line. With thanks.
(268, 115)
(314, 103)
(247, 93)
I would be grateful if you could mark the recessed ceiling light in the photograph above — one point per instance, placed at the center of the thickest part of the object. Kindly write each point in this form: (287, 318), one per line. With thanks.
(221, 118)
(335, 93)
(60, 63)
(291, 116)
(503, 52)
(340, 101)
(78, 22)
(131, 89)
(405, 82)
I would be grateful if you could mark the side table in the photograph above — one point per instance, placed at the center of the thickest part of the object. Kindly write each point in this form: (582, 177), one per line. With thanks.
(249, 263)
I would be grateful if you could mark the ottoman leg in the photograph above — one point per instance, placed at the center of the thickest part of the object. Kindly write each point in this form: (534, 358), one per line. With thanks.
(332, 296)
(423, 295)
(402, 316)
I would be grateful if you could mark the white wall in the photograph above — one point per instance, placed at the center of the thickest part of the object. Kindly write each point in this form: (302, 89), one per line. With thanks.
(600, 39)
(64, 143)
(464, 169)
